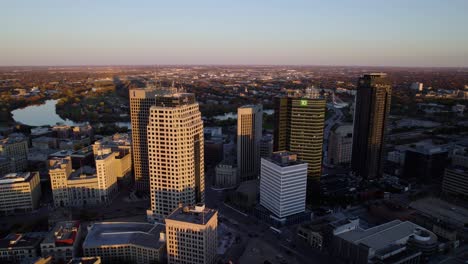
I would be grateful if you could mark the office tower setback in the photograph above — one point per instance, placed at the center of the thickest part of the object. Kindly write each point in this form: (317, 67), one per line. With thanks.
(299, 123)
(249, 134)
(371, 113)
(340, 143)
(191, 235)
(140, 102)
(283, 182)
(175, 152)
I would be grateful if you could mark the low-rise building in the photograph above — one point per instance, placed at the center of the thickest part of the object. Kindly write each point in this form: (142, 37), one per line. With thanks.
(192, 235)
(226, 174)
(19, 192)
(19, 248)
(140, 243)
(340, 144)
(396, 241)
(62, 242)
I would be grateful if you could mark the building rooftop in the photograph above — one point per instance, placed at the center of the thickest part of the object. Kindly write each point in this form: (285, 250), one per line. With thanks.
(15, 177)
(439, 209)
(380, 237)
(122, 233)
(19, 241)
(63, 234)
(85, 172)
(12, 138)
(284, 159)
(85, 260)
(197, 214)
(56, 162)
(62, 153)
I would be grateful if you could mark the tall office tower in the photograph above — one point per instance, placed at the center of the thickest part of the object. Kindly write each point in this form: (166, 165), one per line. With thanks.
(175, 152)
(141, 99)
(249, 134)
(299, 123)
(370, 118)
(191, 235)
(140, 102)
(283, 183)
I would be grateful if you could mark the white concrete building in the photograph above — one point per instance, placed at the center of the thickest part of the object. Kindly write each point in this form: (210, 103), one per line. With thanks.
(283, 183)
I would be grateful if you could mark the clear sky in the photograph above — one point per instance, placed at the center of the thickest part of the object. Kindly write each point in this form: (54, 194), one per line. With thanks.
(305, 32)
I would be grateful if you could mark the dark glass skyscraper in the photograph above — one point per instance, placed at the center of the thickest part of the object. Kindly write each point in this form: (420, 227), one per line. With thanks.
(371, 113)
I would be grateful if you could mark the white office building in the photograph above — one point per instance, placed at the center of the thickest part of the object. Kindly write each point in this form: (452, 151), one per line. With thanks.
(283, 182)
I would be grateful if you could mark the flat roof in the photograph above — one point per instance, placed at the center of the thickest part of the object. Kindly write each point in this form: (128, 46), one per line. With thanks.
(15, 177)
(19, 241)
(63, 234)
(439, 209)
(190, 214)
(85, 172)
(382, 236)
(123, 233)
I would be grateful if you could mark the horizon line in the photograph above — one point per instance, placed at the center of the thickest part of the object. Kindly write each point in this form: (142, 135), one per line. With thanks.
(229, 65)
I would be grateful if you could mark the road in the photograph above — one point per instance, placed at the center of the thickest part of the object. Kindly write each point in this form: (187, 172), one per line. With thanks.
(248, 227)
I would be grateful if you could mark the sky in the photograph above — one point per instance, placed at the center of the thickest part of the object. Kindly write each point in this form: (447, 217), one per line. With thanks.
(429, 33)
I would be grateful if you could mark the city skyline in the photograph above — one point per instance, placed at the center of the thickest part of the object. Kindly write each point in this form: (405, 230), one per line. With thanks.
(370, 33)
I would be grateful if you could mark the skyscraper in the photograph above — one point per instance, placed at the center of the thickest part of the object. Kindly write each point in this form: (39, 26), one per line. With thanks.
(299, 122)
(371, 113)
(140, 102)
(249, 134)
(175, 153)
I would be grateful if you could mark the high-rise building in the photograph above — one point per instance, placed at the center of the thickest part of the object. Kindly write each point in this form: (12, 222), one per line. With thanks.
(175, 153)
(266, 146)
(371, 113)
(140, 102)
(191, 235)
(340, 144)
(299, 123)
(15, 150)
(249, 134)
(283, 184)
(19, 192)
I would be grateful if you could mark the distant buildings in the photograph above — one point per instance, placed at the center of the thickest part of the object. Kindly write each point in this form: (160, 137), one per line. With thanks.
(62, 243)
(141, 243)
(176, 153)
(19, 248)
(283, 184)
(226, 175)
(14, 149)
(19, 192)
(249, 134)
(191, 234)
(371, 116)
(417, 86)
(340, 143)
